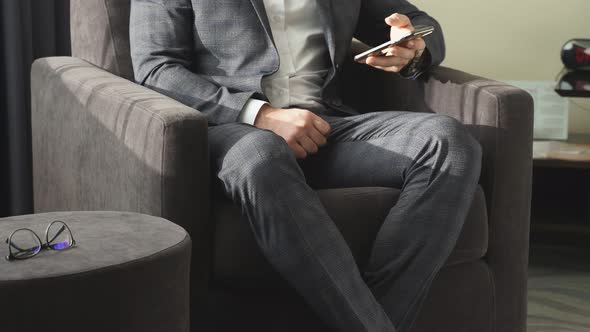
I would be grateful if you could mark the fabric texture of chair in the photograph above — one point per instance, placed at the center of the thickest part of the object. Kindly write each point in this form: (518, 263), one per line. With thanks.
(103, 142)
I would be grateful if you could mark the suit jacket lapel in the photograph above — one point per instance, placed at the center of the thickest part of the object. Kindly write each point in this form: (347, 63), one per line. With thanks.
(327, 19)
(261, 12)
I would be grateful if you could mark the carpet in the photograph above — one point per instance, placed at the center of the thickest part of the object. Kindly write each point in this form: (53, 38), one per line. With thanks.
(559, 290)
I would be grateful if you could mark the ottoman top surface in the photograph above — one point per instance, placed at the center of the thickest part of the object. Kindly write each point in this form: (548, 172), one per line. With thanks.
(103, 239)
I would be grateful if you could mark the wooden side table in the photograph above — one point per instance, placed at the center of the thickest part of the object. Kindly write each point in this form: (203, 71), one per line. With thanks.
(560, 210)
(573, 153)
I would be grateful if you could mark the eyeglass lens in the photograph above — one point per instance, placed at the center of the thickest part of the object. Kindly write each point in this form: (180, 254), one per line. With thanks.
(24, 244)
(59, 236)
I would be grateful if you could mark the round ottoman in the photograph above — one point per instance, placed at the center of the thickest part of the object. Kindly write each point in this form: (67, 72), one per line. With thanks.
(127, 272)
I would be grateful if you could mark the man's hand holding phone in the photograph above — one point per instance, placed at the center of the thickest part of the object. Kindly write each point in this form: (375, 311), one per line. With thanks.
(395, 58)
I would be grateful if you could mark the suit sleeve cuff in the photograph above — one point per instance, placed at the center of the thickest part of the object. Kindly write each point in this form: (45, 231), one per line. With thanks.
(250, 111)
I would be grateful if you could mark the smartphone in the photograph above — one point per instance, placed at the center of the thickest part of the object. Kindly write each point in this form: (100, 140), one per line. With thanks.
(419, 32)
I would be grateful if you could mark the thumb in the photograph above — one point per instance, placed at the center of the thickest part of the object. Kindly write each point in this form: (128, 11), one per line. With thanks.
(397, 20)
(390, 21)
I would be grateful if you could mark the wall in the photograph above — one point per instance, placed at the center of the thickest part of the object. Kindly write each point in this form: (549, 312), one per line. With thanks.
(513, 39)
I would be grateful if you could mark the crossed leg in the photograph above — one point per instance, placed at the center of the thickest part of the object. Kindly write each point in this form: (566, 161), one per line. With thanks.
(436, 164)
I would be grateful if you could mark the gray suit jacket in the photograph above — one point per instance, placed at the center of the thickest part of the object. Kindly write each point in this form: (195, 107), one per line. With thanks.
(212, 54)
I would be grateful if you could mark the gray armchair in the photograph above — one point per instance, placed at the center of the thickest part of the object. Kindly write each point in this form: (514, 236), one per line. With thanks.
(102, 142)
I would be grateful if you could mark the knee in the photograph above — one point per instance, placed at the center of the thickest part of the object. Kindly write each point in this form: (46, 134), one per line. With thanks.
(254, 154)
(460, 147)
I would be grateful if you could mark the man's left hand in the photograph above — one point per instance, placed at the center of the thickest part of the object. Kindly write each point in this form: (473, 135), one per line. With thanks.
(395, 58)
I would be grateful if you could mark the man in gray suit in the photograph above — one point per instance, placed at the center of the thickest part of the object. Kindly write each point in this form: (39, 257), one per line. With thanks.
(265, 72)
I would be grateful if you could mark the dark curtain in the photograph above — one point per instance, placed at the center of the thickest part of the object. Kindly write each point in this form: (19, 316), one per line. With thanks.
(29, 29)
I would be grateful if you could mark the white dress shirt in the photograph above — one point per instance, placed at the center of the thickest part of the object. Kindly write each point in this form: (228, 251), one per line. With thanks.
(303, 54)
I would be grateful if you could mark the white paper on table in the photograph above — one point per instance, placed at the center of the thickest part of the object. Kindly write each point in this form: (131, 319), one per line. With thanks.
(541, 149)
(551, 110)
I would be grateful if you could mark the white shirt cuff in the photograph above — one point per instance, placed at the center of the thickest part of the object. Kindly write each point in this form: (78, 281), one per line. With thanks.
(250, 111)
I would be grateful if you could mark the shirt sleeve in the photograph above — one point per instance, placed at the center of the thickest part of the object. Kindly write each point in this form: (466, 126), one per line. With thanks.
(250, 111)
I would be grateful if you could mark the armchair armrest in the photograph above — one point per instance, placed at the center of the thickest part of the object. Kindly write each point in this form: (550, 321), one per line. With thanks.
(500, 117)
(101, 142)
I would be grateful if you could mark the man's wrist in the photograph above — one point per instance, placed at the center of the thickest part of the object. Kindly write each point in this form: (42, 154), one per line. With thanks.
(264, 110)
(251, 110)
(413, 69)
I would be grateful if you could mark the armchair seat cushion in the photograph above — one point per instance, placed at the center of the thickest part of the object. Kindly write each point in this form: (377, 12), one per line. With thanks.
(357, 212)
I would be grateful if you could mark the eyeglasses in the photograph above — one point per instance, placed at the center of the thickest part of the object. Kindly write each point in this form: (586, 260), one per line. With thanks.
(24, 243)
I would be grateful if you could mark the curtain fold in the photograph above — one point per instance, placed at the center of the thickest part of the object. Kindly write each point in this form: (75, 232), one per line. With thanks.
(29, 29)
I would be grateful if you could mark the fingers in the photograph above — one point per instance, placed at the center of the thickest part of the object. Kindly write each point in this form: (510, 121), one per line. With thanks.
(298, 150)
(318, 138)
(397, 57)
(321, 125)
(391, 62)
(308, 145)
(304, 131)
(398, 20)
(416, 44)
(401, 52)
(392, 69)
(386, 61)
(401, 26)
(315, 136)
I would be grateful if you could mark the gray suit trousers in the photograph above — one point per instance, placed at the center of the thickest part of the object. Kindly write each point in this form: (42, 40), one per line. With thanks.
(432, 158)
